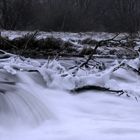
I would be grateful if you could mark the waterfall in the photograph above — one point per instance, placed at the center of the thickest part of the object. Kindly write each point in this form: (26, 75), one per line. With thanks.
(21, 99)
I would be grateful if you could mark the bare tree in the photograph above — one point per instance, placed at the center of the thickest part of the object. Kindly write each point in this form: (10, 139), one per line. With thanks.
(71, 15)
(12, 12)
(124, 15)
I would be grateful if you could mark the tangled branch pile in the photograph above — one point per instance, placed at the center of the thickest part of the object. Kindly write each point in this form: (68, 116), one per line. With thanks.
(29, 45)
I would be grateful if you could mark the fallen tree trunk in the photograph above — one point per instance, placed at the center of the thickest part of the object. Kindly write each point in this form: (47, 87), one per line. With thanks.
(94, 87)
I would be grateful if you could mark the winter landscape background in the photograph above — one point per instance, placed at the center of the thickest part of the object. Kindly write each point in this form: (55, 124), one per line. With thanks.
(69, 70)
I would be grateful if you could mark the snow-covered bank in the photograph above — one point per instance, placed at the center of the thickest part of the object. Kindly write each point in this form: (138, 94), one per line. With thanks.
(45, 44)
(64, 35)
(35, 102)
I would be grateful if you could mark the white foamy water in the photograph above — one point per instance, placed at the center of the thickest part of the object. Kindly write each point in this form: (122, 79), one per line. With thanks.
(21, 101)
(37, 105)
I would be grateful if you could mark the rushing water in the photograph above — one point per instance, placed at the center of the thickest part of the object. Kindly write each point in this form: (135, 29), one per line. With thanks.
(35, 106)
(20, 99)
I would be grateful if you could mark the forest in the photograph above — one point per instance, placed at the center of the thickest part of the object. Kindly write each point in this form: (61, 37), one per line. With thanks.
(70, 15)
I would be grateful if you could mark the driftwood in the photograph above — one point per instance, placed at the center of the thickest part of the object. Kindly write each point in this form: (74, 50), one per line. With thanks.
(123, 42)
(94, 87)
(95, 49)
(29, 46)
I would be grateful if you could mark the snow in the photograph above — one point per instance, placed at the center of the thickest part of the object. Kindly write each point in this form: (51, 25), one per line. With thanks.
(65, 36)
(80, 43)
(39, 106)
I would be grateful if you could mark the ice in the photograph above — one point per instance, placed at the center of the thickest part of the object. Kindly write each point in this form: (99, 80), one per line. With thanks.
(38, 104)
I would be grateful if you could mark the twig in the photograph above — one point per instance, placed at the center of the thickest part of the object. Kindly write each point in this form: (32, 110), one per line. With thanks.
(7, 42)
(30, 38)
(132, 69)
